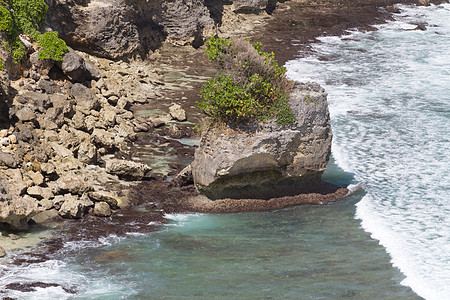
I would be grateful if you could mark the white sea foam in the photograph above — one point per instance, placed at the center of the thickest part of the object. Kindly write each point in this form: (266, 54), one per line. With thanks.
(180, 217)
(390, 109)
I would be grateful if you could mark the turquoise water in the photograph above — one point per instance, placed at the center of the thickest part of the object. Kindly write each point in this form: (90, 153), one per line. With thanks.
(389, 103)
(304, 252)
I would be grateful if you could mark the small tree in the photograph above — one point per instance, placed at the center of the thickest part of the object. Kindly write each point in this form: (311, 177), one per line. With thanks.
(250, 84)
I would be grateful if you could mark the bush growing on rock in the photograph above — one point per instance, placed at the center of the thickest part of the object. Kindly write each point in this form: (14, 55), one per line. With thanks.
(249, 86)
(52, 47)
(26, 17)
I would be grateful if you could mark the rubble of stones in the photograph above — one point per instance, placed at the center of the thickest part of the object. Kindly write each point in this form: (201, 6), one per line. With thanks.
(57, 149)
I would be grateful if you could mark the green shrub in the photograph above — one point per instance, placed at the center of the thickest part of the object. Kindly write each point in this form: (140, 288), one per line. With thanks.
(16, 49)
(227, 101)
(1, 65)
(250, 85)
(52, 46)
(6, 20)
(27, 16)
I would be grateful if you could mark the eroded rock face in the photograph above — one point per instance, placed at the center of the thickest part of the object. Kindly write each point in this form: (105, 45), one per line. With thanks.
(121, 28)
(271, 160)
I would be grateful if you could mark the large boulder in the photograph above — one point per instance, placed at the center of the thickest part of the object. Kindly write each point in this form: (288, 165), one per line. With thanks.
(121, 28)
(15, 210)
(267, 160)
(74, 207)
(77, 69)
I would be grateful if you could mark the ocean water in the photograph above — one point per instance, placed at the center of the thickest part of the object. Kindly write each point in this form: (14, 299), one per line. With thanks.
(389, 93)
(389, 96)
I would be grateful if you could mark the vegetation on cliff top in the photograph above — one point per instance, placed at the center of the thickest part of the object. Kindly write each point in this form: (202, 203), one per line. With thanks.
(249, 86)
(26, 17)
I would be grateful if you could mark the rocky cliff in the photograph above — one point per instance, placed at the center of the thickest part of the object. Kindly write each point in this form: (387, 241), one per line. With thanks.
(123, 28)
(269, 161)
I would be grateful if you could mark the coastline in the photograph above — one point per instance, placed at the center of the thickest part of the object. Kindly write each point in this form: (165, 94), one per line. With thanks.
(186, 60)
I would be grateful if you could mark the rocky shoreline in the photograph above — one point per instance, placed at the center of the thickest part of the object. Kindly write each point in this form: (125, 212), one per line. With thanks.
(99, 151)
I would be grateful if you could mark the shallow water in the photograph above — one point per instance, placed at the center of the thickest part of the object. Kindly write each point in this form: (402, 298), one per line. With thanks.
(304, 252)
(390, 112)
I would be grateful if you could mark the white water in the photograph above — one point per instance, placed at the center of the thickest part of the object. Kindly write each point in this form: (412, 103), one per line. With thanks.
(389, 96)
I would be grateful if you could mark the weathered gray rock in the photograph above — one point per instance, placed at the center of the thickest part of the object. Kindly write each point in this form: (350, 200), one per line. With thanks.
(77, 69)
(45, 216)
(48, 86)
(87, 153)
(103, 138)
(7, 160)
(2, 252)
(101, 209)
(85, 98)
(175, 132)
(250, 6)
(271, 160)
(127, 169)
(177, 112)
(4, 97)
(74, 207)
(122, 28)
(36, 177)
(25, 114)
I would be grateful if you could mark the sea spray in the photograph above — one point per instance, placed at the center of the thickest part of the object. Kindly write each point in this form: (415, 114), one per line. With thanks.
(390, 106)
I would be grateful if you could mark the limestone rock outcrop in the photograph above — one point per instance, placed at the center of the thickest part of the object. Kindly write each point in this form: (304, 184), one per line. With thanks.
(121, 28)
(268, 161)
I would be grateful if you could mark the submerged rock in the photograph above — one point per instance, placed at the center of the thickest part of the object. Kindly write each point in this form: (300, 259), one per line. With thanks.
(270, 160)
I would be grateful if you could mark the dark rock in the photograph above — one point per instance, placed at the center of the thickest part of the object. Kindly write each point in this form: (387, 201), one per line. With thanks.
(74, 67)
(184, 178)
(250, 6)
(25, 132)
(422, 27)
(93, 71)
(48, 86)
